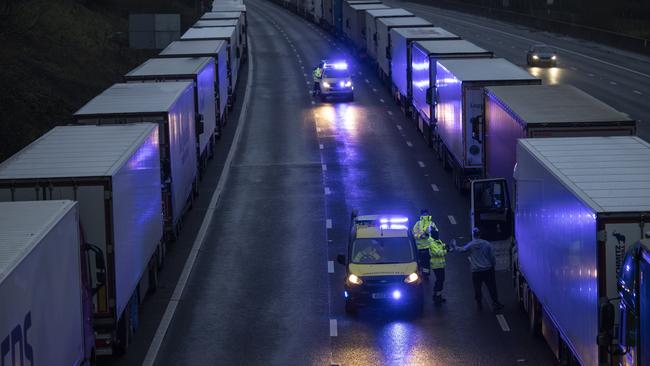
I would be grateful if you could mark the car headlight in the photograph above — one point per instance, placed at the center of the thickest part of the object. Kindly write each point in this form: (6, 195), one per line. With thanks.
(348, 84)
(411, 278)
(535, 57)
(326, 84)
(553, 57)
(354, 279)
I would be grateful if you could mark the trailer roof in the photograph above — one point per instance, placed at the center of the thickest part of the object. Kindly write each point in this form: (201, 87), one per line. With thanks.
(170, 66)
(404, 21)
(198, 47)
(221, 15)
(392, 12)
(424, 33)
(609, 174)
(368, 6)
(532, 104)
(23, 225)
(228, 7)
(358, 2)
(485, 69)
(450, 47)
(127, 98)
(77, 151)
(209, 33)
(215, 23)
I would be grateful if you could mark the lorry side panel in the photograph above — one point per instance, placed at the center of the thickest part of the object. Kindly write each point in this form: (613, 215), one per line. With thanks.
(205, 85)
(137, 218)
(398, 62)
(644, 310)
(558, 255)
(449, 111)
(420, 80)
(473, 107)
(42, 299)
(222, 75)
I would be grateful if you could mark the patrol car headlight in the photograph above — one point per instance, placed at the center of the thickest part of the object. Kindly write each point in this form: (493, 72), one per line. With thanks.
(326, 84)
(354, 279)
(411, 278)
(348, 84)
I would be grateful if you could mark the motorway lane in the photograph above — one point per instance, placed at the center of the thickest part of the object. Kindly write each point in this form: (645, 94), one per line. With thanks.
(258, 294)
(375, 161)
(621, 80)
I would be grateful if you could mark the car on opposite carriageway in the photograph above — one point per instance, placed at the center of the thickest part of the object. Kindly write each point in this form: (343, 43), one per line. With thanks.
(541, 55)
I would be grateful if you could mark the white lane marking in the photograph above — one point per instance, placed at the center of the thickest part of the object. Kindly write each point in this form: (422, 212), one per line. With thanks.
(312, 102)
(637, 92)
(613, 82)
(574, 68)
(302, 67)
(421, 164)
(590, 75)
(409, 144)
(435, 188)
(330, 266)
(305, 74)
(320, 146)
(399, 127)
(333, 328)
(170, 310)
(367, 81)
(327, 191)
(328, 223)
(318, 129)
(503, 323)
(375, 90)
(390, 113)
(452, 219)
(381, 100)
(324, 166)
(360, 73)
(308, 82)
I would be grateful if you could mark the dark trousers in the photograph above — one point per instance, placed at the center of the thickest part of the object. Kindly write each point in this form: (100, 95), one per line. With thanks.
(440, 279)
(424, 256)
(487, 277)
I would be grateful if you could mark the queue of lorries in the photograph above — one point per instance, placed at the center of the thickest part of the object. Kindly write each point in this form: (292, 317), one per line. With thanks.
(559, 181)
(88, 209)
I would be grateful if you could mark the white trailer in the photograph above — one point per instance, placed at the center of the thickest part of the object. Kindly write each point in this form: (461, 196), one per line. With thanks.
(43, 320)
(369, 44)
(201, 72)
(218, 50)
(203, 23)
(580, 203)
(242, 25)
(227, 34)
(114, 173)
(354, 22)
(171, 105)
(384, 39)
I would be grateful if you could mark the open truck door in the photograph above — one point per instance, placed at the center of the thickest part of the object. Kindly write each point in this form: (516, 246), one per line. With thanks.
(491, 211)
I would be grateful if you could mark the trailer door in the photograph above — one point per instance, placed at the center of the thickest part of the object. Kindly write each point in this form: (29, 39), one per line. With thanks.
(491, 212)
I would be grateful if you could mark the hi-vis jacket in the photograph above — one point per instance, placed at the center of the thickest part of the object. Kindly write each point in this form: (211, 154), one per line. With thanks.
(437, 253)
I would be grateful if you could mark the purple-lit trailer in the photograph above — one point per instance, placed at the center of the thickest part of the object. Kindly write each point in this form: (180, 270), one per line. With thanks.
(216, 49)
(227, 34)
(514, 112)
(171, 105)
(458, 98)
(370, 32)
(397, 62)
(200, 71)
(354, 22)
(114, 173)
(384, 39)
(423, 67)
(580, 202)
(242, 25)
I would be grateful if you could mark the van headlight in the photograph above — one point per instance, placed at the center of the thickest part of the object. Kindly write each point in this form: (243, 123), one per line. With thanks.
(354, 279)
(554, 58)
(348, 84)
(413, 277)
(535, 57)
(326, 84)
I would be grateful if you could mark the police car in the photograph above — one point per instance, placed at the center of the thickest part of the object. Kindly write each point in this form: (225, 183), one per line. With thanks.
(336, 81)
(381, 264)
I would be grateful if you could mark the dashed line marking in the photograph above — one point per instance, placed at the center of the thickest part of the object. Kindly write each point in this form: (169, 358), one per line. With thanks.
(327, 191)
(360, 73)
(333, 328)
(330, 266)
(313, 102)
(328, 223)
(452, 219)
(574, 68)
(390, 113)
(503, 323)
(375, 90)
(435, 188)
(367, 81)
(320, 146)
(409, 144)
(381, 100)
(613, 82)
(590, 75)
(399, 127)
(324, 166)
(421, 164)
(637, 92)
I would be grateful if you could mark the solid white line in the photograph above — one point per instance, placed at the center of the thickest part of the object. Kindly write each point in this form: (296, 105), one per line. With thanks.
(201, 235)
(330, 266)
(308, 82)
(399, 127)
(503, 323)
(324, 166)
(320, 146)
(409, 144)
(333, 328)
(328, 223)
(421, 164)
(318, 129)
(435, 188)
(327, 191)
(367, 81)
(451, 219)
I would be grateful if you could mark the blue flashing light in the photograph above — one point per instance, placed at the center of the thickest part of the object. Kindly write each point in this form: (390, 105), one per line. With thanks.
(345, 294)
(397, 295)
(393, 227)
(338, 65)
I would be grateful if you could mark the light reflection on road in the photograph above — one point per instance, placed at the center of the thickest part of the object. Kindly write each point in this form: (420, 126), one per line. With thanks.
(550, 76)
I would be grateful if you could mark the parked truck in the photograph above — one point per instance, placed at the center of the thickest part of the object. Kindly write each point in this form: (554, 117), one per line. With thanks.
(384, 40)
(526, 111)
(398, 63)
(171, 105)
(424, 73)
(242, 26)
(369, 44)
(580, 203)
(114, 173)
(217, 50)
(46, 307)
(354, 22)
(226, 34)
(200, 71)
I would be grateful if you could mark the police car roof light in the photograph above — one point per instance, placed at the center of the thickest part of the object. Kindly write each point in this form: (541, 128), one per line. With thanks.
(394, 220)
(338, 65)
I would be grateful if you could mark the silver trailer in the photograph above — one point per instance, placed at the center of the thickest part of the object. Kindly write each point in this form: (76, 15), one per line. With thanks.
(201, 23)
(580, 203)
(369, 43)
(242, 27)
(218, 50)
(114, 173)
(384, 39)
(354, 22)
(201, 72)
(171, 105)
(399, 66)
